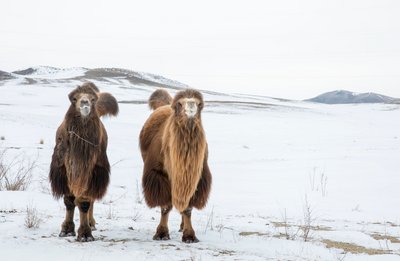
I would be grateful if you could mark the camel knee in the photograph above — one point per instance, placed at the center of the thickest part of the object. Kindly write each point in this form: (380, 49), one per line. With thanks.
(69, 202)
(84, 206)
(187, 212)
(166, 210)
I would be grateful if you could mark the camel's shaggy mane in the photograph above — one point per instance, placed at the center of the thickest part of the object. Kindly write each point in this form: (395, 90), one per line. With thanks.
(174, 150)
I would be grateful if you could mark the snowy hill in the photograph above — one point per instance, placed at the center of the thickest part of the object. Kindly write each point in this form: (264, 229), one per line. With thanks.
(46, 74)
(292, 180)
(6, 76)
(345, 97)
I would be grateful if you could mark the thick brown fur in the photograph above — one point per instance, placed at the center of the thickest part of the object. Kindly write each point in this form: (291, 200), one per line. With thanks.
(174, 151)
(106, 105)
(79, 168)
(79, 163)
(159, 98)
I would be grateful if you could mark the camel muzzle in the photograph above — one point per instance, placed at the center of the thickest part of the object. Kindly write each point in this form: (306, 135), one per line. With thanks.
(85, 110)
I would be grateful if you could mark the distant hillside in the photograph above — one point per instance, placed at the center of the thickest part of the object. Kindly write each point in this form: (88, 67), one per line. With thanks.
(133, 77)
(6, 76)
(346, 97)
(47, 74)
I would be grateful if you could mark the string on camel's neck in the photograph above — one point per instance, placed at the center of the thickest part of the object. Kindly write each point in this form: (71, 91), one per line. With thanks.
(83, 133)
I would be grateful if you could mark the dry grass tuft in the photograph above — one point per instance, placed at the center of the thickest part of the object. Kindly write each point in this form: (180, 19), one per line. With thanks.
(110, 212)
(32, 219)
(308, 220)
(15, 175)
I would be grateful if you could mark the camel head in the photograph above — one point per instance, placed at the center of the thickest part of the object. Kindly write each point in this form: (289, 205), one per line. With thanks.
(83, 99)
(188, 104)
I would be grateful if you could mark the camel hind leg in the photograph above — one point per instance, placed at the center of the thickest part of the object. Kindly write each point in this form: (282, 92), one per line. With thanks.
(68, 226)
(84, 231)
(162, 232)
(157, 192)
(189, 235)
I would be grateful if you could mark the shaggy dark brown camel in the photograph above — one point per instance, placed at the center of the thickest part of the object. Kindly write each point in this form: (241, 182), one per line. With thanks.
(79, 170)
(174, 151)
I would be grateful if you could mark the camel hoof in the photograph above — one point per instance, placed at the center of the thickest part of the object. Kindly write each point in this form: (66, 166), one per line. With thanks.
(67, 229)
(67, 234)
(93, 228)
(189, 239)
(85, 234)
(180, 230)
(85, 238)
(162, 233)
(161, 236)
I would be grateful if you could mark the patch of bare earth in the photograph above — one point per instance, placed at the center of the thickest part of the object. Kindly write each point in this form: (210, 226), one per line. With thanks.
(392, 224)
(279, 224)
(281, 235)
(223, 252)
(246, 234)
(353, 248)
(388, 223)
(315, 228)
(392, 239)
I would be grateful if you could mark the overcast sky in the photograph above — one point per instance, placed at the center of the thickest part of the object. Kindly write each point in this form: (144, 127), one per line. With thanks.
(291, 49)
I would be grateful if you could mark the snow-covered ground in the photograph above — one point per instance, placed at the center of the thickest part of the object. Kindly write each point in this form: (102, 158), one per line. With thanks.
(275, 164)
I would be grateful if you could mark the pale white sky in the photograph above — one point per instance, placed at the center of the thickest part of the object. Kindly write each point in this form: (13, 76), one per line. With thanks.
(286, 48)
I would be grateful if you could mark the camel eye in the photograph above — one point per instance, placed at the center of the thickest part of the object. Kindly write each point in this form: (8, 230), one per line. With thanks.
(74, 99)
(92, 100)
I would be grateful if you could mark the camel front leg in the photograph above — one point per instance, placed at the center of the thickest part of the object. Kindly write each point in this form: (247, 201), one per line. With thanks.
(188, 232)
(68, 226)
(92, 221)
(84, 231)
(162, 232)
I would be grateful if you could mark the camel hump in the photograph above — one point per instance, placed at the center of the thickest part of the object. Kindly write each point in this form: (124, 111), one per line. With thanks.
(159, 98)
(106, 104)
(90, 85)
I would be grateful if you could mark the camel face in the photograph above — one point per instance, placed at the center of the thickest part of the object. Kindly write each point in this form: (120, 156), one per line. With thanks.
(84, 103)
(188, 106)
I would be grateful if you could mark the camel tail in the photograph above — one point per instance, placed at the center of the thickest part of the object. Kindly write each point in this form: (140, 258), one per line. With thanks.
(159, 98)
(106, 105)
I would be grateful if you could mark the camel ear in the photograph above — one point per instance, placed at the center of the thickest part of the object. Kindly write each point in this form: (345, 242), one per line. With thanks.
(177, 108)
(72, 97)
